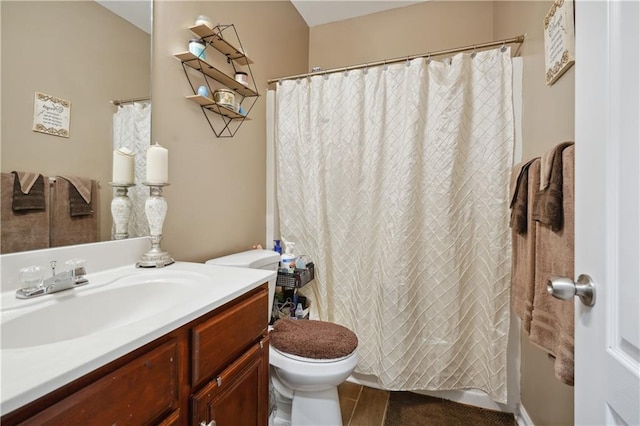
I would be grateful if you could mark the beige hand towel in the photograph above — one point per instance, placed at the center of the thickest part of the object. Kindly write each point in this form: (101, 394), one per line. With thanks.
(547, 207)
(79, 196)
(21, 230)
(552, 324)
(523, 253)
(66, 229)
(28, 191)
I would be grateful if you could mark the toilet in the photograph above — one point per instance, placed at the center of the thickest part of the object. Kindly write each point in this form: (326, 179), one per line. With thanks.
(308, 358)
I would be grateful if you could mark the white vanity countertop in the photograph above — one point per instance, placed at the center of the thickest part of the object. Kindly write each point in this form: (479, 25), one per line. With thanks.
(31, 372)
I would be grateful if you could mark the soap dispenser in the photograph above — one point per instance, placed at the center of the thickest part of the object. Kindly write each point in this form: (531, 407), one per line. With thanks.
(288, 257)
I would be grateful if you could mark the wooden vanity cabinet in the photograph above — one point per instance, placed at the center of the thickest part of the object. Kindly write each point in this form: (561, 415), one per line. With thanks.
(215, 368)
(239, 395)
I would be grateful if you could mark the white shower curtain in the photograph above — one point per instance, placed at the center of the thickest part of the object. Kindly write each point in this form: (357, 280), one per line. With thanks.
(394, 180)
(132, 130)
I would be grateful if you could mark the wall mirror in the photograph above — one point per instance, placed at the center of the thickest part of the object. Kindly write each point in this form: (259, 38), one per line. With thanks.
(87, 52)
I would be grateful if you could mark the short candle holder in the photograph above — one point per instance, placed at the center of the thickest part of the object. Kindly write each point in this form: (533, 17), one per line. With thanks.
(156, 210)
(121, 210)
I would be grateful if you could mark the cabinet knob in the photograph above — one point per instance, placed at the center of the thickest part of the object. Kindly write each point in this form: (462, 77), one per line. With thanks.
(211, 423)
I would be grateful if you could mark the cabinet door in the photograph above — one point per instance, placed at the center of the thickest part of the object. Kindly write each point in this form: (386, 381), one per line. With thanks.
(240, 395)
(137, 393)
(217, 342)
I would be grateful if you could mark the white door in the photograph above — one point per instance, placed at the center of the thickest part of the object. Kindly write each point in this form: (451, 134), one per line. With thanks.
(607, 350)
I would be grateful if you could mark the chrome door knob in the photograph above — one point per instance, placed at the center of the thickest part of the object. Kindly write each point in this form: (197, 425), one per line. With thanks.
(565, 289)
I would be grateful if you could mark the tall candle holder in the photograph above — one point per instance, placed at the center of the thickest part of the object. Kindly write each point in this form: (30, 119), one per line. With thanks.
(121, 210)
(156, 210)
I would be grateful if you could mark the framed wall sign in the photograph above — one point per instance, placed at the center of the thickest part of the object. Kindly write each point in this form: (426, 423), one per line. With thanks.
(559, 40)
(51, 115)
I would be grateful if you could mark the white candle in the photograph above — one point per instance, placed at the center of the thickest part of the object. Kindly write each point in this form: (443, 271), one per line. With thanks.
(123, 164)
(157, 164)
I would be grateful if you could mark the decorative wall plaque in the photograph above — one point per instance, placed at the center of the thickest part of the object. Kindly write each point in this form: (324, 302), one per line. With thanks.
(559, 40)
(51, 115)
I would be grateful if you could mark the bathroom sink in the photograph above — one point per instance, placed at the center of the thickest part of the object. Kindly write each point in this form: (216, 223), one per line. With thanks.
(81, 312)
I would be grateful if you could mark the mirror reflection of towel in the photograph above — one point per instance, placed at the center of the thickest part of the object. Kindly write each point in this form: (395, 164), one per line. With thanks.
(77, 205)
(67, 229)
(79, 196)
(32, 196)
(21, 230)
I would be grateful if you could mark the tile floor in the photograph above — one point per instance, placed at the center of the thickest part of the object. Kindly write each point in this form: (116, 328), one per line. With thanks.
(362, 406)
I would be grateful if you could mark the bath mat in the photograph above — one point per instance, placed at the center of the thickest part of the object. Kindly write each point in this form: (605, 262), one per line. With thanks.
(411, 409)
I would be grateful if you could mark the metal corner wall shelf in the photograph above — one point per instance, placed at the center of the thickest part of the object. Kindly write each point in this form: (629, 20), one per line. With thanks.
(228, 120)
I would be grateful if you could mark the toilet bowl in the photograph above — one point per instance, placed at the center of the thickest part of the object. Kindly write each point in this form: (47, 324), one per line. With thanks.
(308, 359)
(307, 389)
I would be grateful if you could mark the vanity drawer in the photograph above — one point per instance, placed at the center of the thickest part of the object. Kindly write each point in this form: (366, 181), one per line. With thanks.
(142, 391)
(217, 342)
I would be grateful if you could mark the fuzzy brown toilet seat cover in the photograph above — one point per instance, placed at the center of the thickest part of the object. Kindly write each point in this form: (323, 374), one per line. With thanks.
(313, 339)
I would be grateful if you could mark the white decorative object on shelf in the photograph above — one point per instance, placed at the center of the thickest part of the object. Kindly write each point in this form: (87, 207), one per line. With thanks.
(156, 210)
(121, 210)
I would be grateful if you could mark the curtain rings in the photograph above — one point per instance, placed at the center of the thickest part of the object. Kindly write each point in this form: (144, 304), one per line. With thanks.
(408, 63)
(504, 47)
(365, 70)
(473, 54)
(428, 60)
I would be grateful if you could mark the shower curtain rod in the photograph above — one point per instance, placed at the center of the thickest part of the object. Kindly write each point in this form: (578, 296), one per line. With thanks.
(128, 101)
(518, 39)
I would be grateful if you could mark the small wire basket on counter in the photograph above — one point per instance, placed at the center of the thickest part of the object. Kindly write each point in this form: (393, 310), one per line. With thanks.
(296, 279)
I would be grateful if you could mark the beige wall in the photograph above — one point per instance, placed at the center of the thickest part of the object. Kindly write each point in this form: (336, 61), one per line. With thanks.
(424, 27)
(81, 52)
(548, 118)
(217, 196)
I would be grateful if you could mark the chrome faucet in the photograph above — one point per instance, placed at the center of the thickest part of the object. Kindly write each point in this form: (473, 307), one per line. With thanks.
(73, 277)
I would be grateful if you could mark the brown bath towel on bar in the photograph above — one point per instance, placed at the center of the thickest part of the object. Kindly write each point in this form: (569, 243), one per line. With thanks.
(28, 191)
(21, 230)
(79, 195)
(519, 197)
(67, 229)
(548, 204)
(523, 247)
(552, 323)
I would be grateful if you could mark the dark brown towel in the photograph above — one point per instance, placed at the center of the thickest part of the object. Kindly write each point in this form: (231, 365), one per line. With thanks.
(80, 202)
(547, 206)
(34, 199)
(77, 205)
(21, 230)
(520, 197)
(313, 339)
(66, 229)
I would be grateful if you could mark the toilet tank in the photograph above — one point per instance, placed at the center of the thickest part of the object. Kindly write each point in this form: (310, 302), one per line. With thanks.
(253, 259)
